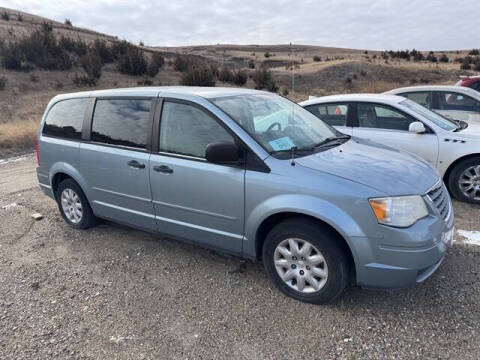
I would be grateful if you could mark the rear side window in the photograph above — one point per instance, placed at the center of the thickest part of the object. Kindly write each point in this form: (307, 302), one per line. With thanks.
(332, 114)
(123, 122)
(65, 119)
(422, 98)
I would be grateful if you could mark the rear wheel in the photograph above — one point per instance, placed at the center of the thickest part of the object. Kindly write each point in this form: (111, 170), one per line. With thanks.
(74, 206)
(464, 180)
(306, 261)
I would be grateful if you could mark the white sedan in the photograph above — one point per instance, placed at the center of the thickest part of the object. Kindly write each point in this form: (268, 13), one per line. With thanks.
(455, 102)
(453, 148)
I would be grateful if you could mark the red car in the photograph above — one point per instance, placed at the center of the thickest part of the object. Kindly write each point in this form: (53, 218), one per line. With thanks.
(470, 81)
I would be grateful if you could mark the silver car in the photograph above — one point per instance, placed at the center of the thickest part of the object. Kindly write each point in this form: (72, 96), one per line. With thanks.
(252, 174)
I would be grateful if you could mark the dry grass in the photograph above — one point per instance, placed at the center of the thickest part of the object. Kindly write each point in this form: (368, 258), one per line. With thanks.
(18, 135)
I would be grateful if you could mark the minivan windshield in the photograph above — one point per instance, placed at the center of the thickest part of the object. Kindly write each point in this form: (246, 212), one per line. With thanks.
(437, 119)
(278, 124)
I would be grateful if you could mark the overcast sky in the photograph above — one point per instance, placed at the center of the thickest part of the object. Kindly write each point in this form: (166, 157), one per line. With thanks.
(363, 24)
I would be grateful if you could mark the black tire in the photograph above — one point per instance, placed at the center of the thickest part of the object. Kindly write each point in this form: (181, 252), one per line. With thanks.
(454, 178)
(326, 241)
(87, 218)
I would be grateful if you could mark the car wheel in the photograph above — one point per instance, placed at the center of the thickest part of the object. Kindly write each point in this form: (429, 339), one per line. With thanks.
(74, 206)
(306, 261)
(464, 180)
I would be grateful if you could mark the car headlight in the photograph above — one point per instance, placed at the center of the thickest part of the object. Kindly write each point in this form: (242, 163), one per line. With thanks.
(399, 211)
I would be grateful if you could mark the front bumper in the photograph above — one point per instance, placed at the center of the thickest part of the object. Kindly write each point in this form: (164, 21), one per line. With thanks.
(403, 257)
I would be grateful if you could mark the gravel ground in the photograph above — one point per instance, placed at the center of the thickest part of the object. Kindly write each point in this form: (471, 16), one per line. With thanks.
(114, 292)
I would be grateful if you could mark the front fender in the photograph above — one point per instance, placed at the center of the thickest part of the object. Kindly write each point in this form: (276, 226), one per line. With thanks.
(312, 206)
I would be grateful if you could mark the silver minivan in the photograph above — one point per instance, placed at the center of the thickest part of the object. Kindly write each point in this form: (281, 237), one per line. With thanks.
(252, 174)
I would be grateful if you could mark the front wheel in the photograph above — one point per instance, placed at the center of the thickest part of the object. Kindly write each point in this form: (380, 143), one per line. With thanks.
(464, 180)
(305, 261)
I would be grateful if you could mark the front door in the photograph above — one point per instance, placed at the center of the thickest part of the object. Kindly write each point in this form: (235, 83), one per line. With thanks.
(195, 199)
(386, 125)
(115, 161)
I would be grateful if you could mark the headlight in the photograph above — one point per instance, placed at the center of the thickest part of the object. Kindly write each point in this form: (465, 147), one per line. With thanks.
(400, 211)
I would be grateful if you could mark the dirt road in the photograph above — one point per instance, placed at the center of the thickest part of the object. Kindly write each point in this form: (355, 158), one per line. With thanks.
(113, 292)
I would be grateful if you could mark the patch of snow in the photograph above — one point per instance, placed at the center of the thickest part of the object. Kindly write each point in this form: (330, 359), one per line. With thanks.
(10, 160)
(10, 206)
(471, 237)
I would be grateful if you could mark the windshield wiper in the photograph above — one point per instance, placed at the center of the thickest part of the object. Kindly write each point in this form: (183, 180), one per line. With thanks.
(293, 150)
(332, 141)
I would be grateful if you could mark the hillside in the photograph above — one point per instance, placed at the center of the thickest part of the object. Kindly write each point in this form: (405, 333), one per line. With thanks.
(40, 57)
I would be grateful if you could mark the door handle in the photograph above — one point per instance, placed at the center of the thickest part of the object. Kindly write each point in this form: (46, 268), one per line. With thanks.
(163, 169)
(135, 164)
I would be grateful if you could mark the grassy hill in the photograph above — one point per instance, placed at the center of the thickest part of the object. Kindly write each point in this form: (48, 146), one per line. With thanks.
(40, 58)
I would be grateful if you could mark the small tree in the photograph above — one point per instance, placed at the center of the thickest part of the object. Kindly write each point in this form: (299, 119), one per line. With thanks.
(92, 65)
(431, 57)
(465, 64)
(181, 63)
(267, 54)
(240, 77)
(476, 64)
(5, 16)
(225, 75)
(317, 58)
(474, 52)
(68, 22)
(152, 69)
(132, 62)
(251, 64)
(198, 76)
(444, 58)
(263, 79)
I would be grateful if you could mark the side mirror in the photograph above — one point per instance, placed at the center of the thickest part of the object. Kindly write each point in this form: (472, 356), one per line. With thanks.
(223, 152)
(417, 127)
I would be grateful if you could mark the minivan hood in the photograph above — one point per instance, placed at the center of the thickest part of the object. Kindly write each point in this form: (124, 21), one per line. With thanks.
(385, 169)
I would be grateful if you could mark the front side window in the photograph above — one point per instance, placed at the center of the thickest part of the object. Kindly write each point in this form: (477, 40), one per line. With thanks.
(332, 114)
(122, 122)
(187, 130)
(275, 122)
(65, 119)
(422, 98)
(382, 117)
(457, 101)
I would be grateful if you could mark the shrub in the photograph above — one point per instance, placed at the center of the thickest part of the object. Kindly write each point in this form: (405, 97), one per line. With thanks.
(83, 80)
(317, 58)
(444, 58)
(431, 57)
(34, 78)
(251, 64)
(67, 22)
(20, 17)
(141, 43)
(158, 59)
(12, 57)
(263, 79)
(3, 82)
(240, 77)
(198, 76)
(77, 47)
(465, 64)
(40, 48)
(132, 62)
(267, 54)
(92, 65)
(476, 64)
(152, 68)
(119, 48)
(104, 51)
(285, 91)
(5, 16)
(181, 63)
(474, 52)
(225, 75)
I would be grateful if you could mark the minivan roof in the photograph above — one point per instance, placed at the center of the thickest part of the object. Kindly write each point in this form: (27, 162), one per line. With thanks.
(165, 91)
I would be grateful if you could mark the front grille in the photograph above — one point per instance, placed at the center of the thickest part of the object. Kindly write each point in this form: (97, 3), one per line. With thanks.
(440, 199)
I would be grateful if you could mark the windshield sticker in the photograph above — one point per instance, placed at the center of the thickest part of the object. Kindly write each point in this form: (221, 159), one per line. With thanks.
(283, 143)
